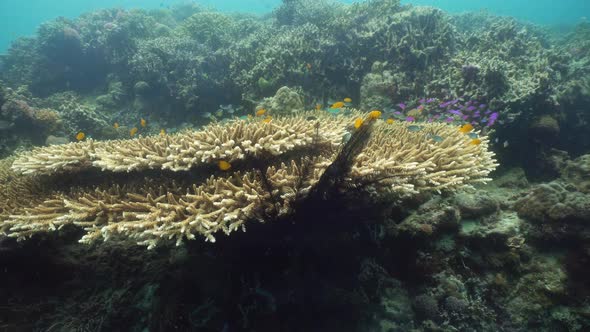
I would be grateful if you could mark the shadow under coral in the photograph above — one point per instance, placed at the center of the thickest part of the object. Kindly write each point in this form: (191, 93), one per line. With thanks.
(302, 273)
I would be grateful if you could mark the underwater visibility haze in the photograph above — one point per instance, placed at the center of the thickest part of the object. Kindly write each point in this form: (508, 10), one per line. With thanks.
(295, 165)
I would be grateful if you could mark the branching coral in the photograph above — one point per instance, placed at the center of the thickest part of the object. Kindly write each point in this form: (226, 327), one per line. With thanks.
(276, 165)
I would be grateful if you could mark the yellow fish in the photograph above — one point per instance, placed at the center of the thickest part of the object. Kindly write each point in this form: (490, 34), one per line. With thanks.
(133, 131)
(358, 123)
(224, 165)
(143, 122)
(318, 107)
(267, 119)
(466, 128)
(162, 132)
(338, 104)
(116, 125)
(389, 121)
(375, 114)
(80, 136)
(475, 142)
(260, 112)
(347, 100)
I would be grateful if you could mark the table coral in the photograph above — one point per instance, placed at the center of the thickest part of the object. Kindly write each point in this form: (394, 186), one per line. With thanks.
(170, 190)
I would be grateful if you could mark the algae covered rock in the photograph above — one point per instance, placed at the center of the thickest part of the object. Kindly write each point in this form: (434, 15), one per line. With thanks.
(286, 101)
(377, 87)
(554, 202)
(577, 172)
(476, 204)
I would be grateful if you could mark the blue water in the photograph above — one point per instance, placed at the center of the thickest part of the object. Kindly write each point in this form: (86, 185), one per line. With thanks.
(21, 18)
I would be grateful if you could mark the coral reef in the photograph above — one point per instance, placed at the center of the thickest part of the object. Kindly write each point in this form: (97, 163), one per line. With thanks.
(355, 221)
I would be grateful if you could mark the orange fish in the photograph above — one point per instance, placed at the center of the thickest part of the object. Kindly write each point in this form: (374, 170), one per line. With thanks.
(466, 128)
(260, 112)
(267, 119)
(162, 132)
(80, 136)
(224, 165)
(143, 122)
(338, 104)
(133, 131)
(389, 121)
(347, 100)
(318, 107)
(116, 125)
(475, 142)
(375, 114)
(358, 123)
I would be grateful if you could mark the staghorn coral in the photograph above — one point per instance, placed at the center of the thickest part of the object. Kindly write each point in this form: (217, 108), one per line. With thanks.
(277, 164)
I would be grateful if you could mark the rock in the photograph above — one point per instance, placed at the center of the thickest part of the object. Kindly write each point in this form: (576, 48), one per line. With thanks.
(473, 205)
(514, 178)
(577, 172)
(56, 140)
(555, 201)
(141, 88)
(544, 127)
(285, 101)
(556, 211)
(426, 222)
(377, 87)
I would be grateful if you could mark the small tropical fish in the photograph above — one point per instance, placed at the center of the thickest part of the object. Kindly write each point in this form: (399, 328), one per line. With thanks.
(374, 114)
(402, 106)
(162, 132)
(347, 100)
(311, 118)
(224, 165)
(389, 121)
(436, 138)
(346, 137)
(505, 144)
(358, 123)
(207, 115)
(472, 135)
(414, 128)
(466, 128)
(260, 112)
(308, 66)
(219, 113)
(116, 125)
(80, 136)
(133, 131)
(142, 122)
(333, 111)
(476, 141)
(318, 107)
(338, 104)
(410, 119)
(268, 119)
